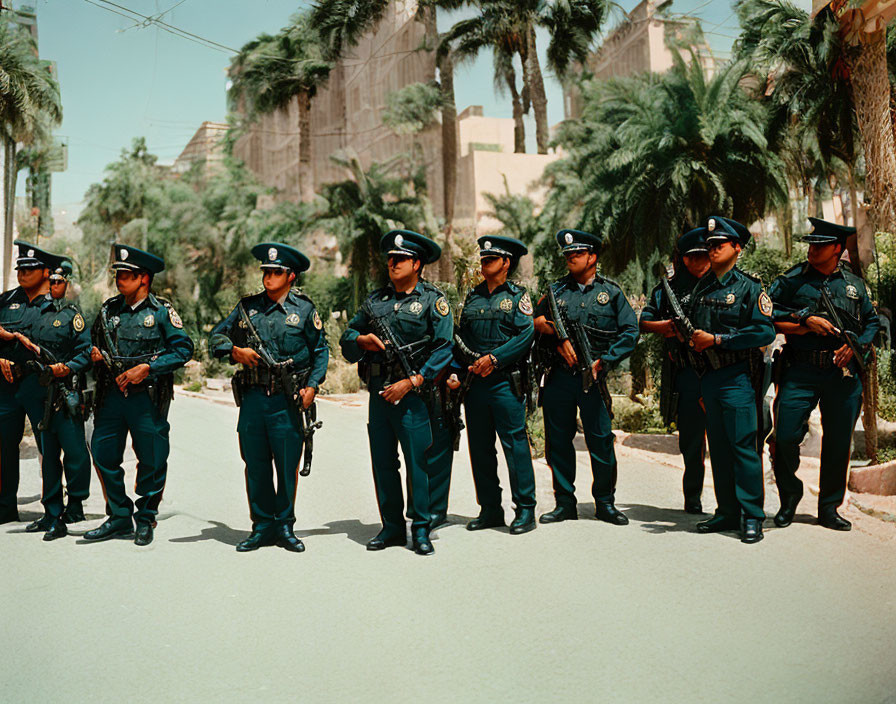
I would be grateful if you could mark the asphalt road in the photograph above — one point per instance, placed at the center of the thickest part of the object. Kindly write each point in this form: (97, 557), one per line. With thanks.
(581, 611)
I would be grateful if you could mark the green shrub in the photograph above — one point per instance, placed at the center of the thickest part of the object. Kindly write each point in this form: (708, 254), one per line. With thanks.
(768, 263)
(195, 387)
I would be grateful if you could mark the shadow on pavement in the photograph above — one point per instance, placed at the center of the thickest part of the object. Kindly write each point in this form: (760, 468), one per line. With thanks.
(353, 529)
(665, 444)
(219, 532)
(657, 519)
(27, 499)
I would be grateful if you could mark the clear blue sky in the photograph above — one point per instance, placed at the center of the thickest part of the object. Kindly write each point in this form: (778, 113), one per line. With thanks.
(120, 81)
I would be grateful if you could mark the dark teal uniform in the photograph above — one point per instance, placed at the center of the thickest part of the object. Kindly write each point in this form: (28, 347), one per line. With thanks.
(602, 306)
(421, 315)
(498, 323)
(150, 332)
(21, 398)
(737, 310)
(690, 416)
(810, 378)
(271, 440)
(61, 330)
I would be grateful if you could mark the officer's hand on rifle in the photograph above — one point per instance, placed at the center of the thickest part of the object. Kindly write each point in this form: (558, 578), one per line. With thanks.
(6, 334)
(397, 391)
(95, 354)
(246, 356)
(307, 394)
(27, 344)
(6, 369)
(60, 370)
(544, 326)
(370, 342)
(668, 329)
(843, 356)
(568, 352)
(596, 368)
(483, 366)
(821, 326)
(703, 340)
(134, 375)
(452, 382)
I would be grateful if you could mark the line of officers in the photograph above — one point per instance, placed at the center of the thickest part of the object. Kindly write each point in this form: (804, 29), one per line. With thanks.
(421, 367)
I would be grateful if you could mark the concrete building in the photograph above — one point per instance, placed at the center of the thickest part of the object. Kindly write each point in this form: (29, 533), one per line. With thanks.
(206, 148)
(640, 43)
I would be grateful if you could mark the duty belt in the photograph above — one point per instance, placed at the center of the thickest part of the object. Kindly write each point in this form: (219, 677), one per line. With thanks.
(822, 359)
(730, 357)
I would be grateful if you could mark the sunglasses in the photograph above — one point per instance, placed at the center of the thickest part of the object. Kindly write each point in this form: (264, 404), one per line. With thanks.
(273, 272)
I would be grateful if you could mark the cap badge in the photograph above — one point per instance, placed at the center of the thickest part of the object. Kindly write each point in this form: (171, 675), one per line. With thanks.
(30, 252)
(568, 238)
(272, 253)
(399, 240)
(487, 244)
(122, 254)
(711, 225)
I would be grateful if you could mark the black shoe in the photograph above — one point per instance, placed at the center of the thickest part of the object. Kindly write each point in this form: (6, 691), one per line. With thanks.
(41, 524)
(829, 518)
(57, 529)
(784, 516)
(289, 541)
(74, 512)
(9, 516)
(693, 505)
(491, 518)
(256, 540)
(144, 534)
(110, 529)
(422, 544)
(717, 524)
(524, 521)
(438, 520)
(561, 513)
(752, 530)
(385, 540)
(605, 511)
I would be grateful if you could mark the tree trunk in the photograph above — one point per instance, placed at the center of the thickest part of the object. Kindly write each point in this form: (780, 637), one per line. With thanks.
(449, 161)
(519, 126)
(537, 93)
(9, 201)
(306, 167)
(871, 96)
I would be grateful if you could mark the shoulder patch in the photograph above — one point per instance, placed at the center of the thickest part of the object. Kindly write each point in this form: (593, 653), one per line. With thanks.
(442, 306)
(526, 304)
(174, 317)
(765, 304)
(315, 318)
(78, 322)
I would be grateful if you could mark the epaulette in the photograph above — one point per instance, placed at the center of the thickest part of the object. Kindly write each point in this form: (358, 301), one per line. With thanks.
(796, 270)
(250, 297)
(429, 286)
(304, 296)
(749, 275)
(515, 287)
(607, 280)
(848, 273)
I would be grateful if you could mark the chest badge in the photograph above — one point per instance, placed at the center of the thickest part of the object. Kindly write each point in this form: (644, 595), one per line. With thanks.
(730, 298)
(292, 319)
(114, 320)
(149, 320)
(15, 306)
(506, 305)
(253, 312)
(442, 306)
(765, 304)
(603, 298)
(78, 323)
(57, 323)
(526, 304)
(416, 307)
(852, 292)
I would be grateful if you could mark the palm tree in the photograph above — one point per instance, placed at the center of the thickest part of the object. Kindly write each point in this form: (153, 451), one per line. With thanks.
(654, 154)
(272, 71)
(29, 98)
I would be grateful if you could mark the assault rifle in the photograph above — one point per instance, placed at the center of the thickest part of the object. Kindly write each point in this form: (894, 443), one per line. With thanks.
(575, 333)
(292, 381)
(115, 363)
(827, 304)
(455, 399)
(685, 327)
(394, 350)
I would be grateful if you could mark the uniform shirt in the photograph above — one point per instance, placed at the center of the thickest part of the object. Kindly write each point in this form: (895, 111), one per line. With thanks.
(498, 323)
(796, 294)
(152, 327)
(659, 308)
(420, 314)
(734, 307)
(600, 304)
(290, 331)
(18, 314)
(61, 330)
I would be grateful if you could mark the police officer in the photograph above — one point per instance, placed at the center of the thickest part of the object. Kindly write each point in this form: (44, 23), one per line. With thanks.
(496, 325)
(819, 369)
(597, 303)
(685, 366)
(400, 382)
(284, 326)
(733, 317)
(61, 342)
(138, 343)
(20, 394)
